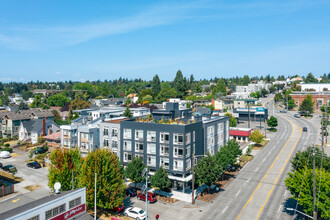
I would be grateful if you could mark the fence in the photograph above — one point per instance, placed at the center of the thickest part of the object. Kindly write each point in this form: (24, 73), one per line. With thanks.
(6, 190)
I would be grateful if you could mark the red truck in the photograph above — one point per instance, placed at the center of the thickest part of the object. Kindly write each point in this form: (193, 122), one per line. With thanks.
(151, 197)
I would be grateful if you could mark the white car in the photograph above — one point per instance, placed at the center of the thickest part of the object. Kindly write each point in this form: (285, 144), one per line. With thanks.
(136, 213)
(4, 154)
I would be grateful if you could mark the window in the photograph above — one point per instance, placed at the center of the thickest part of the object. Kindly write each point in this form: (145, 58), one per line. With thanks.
(127, 157)
(127, 133)
(65, 132)
(188, 137)
(84, 136)
(178, 165)
(34, 218)
(177, 152)
(127, 145)
(164, 150)
(178, 139)
(106, 143)
(151, 148)
(139, 135)
(55, 211)
(48, 214)
(165, 162)
(220, 128)
(210, 141)
(194, 134)
(188, 151)
(164, 137)
(151, 161)
(75, 202)
(138, 147)
(114, 132)
(114, 144)
(151, 136)
(106, 131)
(210, 130)
(188, 164)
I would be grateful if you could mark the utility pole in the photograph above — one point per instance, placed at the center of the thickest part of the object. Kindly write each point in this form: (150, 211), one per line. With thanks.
(265, 127)
(287, 103)
(248, 116)
(95, 199)
(314, 187)
(193, 178)
(146, 194)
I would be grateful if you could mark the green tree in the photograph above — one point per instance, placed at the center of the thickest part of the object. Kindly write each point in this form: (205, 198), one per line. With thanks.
(160, 179)
(256, 136)
(166, 93)
(144, 93)
(310, 79)
(307, 106)
(232, 120)
(36, 102)
(272, 89)
(22, 106)
(58, 100)
(272, 122)
(155, 86)
(228, 154)
(110, 185)
(63, 162)
(291, 104)
(303, 159)
(179, 84)
(220, 87)
(207, 170)
(134, 170)
(127, 113)
(264, 92)
(79, 104)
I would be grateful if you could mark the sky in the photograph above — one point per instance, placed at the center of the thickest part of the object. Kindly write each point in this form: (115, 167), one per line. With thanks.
(89, 40)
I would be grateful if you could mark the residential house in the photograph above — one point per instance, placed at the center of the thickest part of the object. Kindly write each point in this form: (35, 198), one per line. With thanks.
(54, 139)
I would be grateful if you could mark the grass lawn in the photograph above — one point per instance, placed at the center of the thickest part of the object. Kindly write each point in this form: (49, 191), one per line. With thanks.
(261, 145)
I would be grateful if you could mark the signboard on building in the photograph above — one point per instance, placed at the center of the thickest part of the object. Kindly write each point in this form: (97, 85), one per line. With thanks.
(72, 212)
(260, 109)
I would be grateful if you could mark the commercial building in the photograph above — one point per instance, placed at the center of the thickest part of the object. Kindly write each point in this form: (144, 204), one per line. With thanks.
(256, 114)
(240, 134)
(319, 99)
(62, 206)
(315, 87)
(243, 103)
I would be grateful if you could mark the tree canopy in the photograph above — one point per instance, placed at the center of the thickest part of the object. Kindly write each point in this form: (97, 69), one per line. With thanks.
(57, 100)
(272, 122)
(160, 179)
(307, 106)
(256, 136)
(134, 170)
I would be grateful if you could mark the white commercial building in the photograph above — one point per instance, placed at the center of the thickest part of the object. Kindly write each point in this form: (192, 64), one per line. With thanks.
(315, 87)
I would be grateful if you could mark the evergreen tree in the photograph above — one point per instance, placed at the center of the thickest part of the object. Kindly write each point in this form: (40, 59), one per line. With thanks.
(178, 84)
(160, 179)
(310, 79)
(110, 185)
(128, 113)
(207, 170)
(155, 86)
(134, 170)
(220, 87)
(22, 106)
(272, 122)
(307, 106)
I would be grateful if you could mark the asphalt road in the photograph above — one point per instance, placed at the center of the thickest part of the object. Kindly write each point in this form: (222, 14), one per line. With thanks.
(258, 192)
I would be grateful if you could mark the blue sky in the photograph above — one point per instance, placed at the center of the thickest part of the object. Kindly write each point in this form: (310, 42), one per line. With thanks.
(91, 40)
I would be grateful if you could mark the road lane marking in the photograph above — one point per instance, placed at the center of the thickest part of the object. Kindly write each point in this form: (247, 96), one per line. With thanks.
(248, 180)
(271, 166)
(279, 208)
(238, 193)
(264, 160)
(269, 152)
(224, 209)
(15, 200)
(257, 169)
(286, 191)
(278, 177)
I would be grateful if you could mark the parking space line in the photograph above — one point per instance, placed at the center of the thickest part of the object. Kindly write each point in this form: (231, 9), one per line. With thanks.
(238, 193)
(279, 208)
(224, 210)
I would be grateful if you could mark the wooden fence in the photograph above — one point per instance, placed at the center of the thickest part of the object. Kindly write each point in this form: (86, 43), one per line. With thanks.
(6, 190)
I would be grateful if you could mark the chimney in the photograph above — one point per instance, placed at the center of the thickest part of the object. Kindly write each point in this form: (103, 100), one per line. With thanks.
(43, 127)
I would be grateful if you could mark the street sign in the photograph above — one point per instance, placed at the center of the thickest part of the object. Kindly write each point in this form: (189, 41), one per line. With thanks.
(143, 189)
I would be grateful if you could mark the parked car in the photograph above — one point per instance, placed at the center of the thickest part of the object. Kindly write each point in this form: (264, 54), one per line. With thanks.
(40, 150)
(283, 111)
(305, 129)
(118, 209)
(0, 165)
(34, 165)
(135, 213)
(297, 115)
(151, 197)
(4, 154)
(131, 192)
(9, 168)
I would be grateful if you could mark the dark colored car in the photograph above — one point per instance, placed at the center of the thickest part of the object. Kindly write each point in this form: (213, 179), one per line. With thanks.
(9, 168)
(40, 150)
(151, 197)
(0, 165)
(305, 129)
(118, 209)
(131, 192)
(34, 165)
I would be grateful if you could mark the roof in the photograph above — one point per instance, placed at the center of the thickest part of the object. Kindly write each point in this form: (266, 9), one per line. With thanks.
(35, 125)
(36, 203)
(54, 136)
(117, 121)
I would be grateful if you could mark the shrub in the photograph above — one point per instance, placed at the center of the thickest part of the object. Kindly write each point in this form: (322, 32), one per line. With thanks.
(7, 149)
(7, 145)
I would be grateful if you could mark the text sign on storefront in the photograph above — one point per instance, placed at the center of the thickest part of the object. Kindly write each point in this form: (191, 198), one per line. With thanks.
(72, 212)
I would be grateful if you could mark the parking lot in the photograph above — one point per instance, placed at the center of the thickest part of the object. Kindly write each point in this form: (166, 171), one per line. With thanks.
(30, 176)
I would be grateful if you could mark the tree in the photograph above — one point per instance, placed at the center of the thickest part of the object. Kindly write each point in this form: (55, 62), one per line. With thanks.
(264, 92)
(303, 159)
(220, 87)
(22, 106)
(207, 170)
(56, 114)
(36, 102)
(232, 120)
(79, 104)
(272, 89)
(63, 162)
(166, 93)
(272, 122)
(307, 106)
(310, 79)
(291, 104)
(134, 170)
(144, 93)
(57, 100)
(127, 113)
(160, 179)
(256, 136)
(110, 185)
(227, 154)
(178, 84)
(155, 86)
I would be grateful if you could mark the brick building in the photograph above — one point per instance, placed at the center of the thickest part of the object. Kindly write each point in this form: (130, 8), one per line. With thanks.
(319, 99)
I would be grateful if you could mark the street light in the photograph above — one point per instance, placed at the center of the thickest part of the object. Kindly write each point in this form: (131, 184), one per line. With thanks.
(292, 209)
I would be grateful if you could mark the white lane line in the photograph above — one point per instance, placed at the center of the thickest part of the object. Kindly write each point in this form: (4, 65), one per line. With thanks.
(286, 191)
(269, 152)
(257, 169)
(279, 209)
(264, 160)
(238, 193)
(248, 180)
(224, 209)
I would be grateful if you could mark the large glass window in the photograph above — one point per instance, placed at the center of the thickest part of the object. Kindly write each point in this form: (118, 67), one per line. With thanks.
(164, 137)
(178, 138)
(188, 164)
(106, 143)
(165, 162)
(114, 144)
(127, 157)
(188, 151)
(127, 145)
(127, 133)
(178, 165)
(151, 161)
(164, 150)
(177, 152)
(106, 131)
(151, 136)
(151, 148)
(114, 132)
(139, 135)
(138, 147)
(188, 138)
